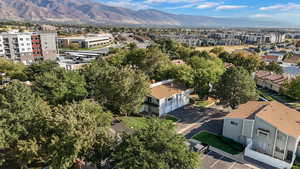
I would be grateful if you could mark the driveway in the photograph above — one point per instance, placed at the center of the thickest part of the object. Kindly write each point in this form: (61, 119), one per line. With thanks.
(194, 119)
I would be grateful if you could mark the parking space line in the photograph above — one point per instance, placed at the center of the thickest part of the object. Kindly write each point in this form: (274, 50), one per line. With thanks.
(205, 155)
(232, 165)
(215, 163)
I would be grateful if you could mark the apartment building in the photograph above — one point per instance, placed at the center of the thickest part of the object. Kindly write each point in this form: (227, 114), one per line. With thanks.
(28, 47)
(86, 41)
(166, 96)
(270, 130)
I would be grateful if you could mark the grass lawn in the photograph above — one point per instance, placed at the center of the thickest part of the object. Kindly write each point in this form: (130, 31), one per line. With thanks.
(226, 48)
(203, 103)
(220, 142)
(137, 123)
(265, 95)
(172, 118)
(296, 163)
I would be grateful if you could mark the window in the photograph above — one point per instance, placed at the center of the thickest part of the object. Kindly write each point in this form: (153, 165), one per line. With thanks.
(263, 133)
(22, 44)
(21, 39)
(149, 99)
(277, 149)
(170, 99)
(234, 123)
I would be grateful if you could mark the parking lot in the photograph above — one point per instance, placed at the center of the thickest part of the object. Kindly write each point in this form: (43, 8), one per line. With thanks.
(212, 160)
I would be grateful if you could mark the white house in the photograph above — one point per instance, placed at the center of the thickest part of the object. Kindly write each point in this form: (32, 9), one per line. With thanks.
(166, 96)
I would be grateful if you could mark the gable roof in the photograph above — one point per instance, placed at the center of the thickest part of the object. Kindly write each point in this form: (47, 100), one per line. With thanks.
(247, 110)
(285, 119)
(167, 89)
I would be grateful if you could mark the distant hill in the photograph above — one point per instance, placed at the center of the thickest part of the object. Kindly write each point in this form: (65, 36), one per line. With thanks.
(87, 11)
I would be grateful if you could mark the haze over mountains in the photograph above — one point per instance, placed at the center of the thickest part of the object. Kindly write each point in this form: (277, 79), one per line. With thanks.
(87, 11)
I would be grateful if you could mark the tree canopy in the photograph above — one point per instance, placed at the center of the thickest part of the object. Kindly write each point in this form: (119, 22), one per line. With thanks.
(235, 87)
(274, 67)
(157, 146)
(60, 86)
(34, 135)
(121, 90)
(12, 70)
(293, 89)
(249, 61)
(183, 73)
(39, 68)
(208, 71)
(148, 60)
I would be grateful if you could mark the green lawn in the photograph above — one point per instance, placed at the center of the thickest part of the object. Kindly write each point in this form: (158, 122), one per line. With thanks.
(296, 163)
(220, 142)
(137, 123)
(265, 95)
(203, 103)
(171, 118)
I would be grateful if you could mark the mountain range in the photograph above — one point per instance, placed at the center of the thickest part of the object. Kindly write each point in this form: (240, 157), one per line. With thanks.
(88, 11)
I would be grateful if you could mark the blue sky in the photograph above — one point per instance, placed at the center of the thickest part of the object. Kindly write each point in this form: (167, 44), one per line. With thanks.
(284, 10)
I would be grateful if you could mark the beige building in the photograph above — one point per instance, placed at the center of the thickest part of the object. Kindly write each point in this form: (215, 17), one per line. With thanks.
(270, 80)
(270, 130)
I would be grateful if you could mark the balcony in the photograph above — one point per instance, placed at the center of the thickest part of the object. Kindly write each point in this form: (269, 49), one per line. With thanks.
(264, 158)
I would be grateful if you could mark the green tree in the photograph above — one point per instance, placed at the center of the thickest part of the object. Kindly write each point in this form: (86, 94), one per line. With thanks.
(34, 136)
(247, 60)
(183, 73)
(60, 86)
(157, 146)
(274, 67)
(207, 73)
(293, 89)
(298, 63)
(217, 50)
(121, 90)
(148, 60)
(12, 70)
(235, 87)
(39, 68)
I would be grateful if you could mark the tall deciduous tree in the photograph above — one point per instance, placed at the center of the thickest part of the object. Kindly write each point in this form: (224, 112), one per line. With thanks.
(60, 86)
(274, 67)
(39, 68)
(13, 70)
(207, 72)
(33, 135)
(247, 60)
(236, 87)
(148, 60)
(293, 88)
(121, 90)
(157, 146)
(183, 73)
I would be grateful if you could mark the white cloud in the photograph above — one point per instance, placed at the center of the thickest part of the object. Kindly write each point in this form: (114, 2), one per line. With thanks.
(261, 16)
(128, 4)
(183, 6)
(207, 5)
(172, 1)
(286, 7)
(229, 7)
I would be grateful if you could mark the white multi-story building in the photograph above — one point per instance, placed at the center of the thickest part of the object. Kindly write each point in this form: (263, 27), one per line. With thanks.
(86, 41)
(1, 46)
